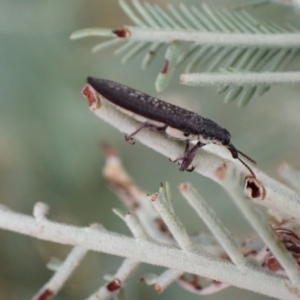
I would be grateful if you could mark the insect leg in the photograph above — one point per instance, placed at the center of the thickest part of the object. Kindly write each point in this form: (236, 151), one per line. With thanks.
(186, 149)
(188, 157)
(129, 138)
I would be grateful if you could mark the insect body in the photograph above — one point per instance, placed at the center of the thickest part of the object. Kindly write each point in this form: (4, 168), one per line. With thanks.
(175, 122)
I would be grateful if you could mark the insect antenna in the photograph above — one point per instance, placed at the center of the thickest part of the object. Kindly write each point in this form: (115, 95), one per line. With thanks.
(246, 156)
(250, 170)
(235, 152)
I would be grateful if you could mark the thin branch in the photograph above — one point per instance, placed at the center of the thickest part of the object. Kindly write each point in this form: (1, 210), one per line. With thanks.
(119, 280)
(212, 162)
(212, 288)
(66, 269)
(128, 266)
(57, 281)
(164, 280)
(87, 32)
(291, 175)
(264, 230)
(175, 226)
(214, 224)
(278, 40)
(252, 278)
(240, 78)
(134, 198)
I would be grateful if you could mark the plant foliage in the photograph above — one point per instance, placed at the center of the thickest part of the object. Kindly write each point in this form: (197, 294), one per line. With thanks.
(197, 57)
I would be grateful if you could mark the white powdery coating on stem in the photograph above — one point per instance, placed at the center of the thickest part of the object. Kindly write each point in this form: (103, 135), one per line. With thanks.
(63, 273)
(264, 230)
(87, 32)
(40, 210)
(115, 173)
(127, 268)
(282, 40)
(135, 226)
(240, 78)
(213, 223)
(291, 175)
(278, 196)
(200, 263)
(206, 162)
(166, 279)
(175, 226)
(212, 288)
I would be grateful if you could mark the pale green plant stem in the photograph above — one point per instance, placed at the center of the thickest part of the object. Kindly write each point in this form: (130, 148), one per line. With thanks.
(214, 224)
(200, 263)
(207, 161)
(263, 229)
(278, 40)
(128, 266)
(65, 270)
(240, 78)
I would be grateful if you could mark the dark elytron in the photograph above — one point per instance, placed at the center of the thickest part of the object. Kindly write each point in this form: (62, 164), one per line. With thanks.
(176, 122)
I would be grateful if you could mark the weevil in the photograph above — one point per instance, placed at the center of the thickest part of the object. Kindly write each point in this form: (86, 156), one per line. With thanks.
(173, 121)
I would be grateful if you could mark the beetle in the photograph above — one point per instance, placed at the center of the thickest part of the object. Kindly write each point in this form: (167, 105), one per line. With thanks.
(173, 121)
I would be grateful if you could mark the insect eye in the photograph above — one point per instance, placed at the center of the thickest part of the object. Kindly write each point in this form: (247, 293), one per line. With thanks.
(186, 134)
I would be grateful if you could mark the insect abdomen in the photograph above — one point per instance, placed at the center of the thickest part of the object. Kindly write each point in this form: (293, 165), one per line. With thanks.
(147, 106)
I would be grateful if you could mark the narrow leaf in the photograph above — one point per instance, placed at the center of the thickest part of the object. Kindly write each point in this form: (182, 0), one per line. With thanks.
(233, 93)
(246, 95)
(106, 44)
(131, 14)
(150, 55)
(134, 51)
(91, 32)
(164, 76)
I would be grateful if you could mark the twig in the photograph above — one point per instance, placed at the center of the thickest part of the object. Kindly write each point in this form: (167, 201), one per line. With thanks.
(175, 226)
(252, 278)
(134, 198)
(119, 280)
(240, 78)
(273, 194)
(278, 40)
(214, 224)
(264, 230)
(57, 281)
(165, 279)
(128, 266)
(291, 175)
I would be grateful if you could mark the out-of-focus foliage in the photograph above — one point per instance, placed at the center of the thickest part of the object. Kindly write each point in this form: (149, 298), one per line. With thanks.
(49, 141)
(199, 56)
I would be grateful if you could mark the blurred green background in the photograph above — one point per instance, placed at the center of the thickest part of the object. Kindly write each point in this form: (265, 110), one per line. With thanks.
(49, 141)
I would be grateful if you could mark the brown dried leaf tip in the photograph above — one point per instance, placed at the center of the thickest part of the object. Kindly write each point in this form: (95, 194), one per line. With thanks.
(221, 171)
(91, 96)
(193, 281)
(162, 227)
(184, 187)
(108, 150)
(47, 294)
(291, 242)
(281, 168)
(254, 189)
(122, 32)
(166, 68)
(114, 285)
(153, 197)
(157, 288)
